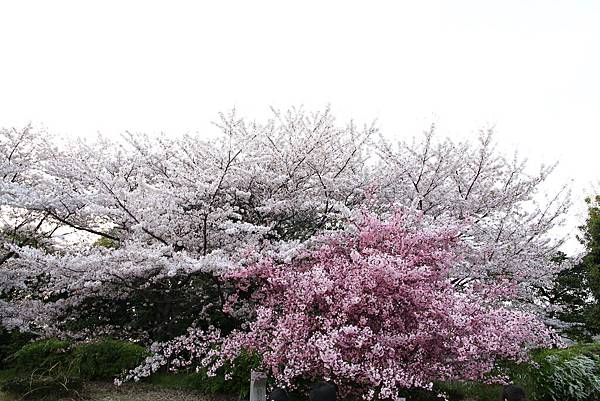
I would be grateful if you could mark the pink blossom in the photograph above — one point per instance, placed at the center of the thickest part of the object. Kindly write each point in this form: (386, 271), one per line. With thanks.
(374, 308)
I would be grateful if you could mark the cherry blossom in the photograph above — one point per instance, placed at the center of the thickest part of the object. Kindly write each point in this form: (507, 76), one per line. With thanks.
(372, 307)
(174, 214)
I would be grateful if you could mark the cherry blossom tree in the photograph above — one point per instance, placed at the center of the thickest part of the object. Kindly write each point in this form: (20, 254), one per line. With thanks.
(159, 201)
(511, 230)
(21, 154)
(371, 308)
(174, 214)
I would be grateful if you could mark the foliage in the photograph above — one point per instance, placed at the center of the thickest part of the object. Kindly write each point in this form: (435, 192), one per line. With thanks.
(231, 379)
(42, 356)
(51, 368)
(575, 294)
(42, 387)
(570, 374)
(146, 313)
(106, 243)
(106, 359)
(591, 261)
(568, 300)
(10, 342)
(468, 390)
(43, 370)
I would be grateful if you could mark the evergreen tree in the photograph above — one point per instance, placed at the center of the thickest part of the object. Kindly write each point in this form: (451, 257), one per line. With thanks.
(591, 262)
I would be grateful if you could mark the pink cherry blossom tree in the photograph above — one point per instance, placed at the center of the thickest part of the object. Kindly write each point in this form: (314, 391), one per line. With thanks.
(371, 308)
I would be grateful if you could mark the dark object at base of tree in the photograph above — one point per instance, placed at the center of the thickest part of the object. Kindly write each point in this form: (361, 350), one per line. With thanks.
(323, 392)
(513, 393)
(278, 394)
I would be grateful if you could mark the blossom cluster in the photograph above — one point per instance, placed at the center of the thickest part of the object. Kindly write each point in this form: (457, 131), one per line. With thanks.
(369, 308)
(141, 237)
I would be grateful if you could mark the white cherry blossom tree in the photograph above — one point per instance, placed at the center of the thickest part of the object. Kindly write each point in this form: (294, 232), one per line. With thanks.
(160, 219)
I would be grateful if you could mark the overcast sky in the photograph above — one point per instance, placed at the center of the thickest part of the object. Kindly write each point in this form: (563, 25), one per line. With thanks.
(529, 68)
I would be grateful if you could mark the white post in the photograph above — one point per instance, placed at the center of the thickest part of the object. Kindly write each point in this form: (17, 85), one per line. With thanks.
(258, 386)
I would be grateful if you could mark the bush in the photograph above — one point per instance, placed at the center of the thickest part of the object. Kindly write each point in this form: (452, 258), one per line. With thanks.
(106, 359)
(467, 390)
(50, 355)
(43, 370)
(233, 378)
(570, 374)
(52, 368)
(237, 382)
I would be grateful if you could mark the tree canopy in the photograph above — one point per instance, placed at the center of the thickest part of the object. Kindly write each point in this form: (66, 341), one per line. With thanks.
(159, 224)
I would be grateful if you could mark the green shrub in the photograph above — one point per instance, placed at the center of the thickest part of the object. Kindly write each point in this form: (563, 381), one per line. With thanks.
(467, 390)
(5, 375)
(570, 374)
(106, 359)
(238, 382)
(417, 394)
(237, 374)
(43, 356)
(52, 368)
(43, 370)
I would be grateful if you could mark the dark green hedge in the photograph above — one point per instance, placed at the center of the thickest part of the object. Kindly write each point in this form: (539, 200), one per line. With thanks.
(52, 368)
(107, 359)
(50, 355)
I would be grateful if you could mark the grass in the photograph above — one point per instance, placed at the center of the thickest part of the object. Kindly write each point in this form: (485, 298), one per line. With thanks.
(163, 387)
(4, 375)
(189, 386)
(473, 391)
(98, 391)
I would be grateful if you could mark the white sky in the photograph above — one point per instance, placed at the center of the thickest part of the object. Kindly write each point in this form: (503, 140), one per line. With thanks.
(530, 68)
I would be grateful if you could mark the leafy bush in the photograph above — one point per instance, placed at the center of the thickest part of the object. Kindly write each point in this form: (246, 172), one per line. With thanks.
(106, 359)
(419, 394)
(468, 390)
(570, 374)
(102, 360)
(43, 370)
(231, 379)
(43, 356)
